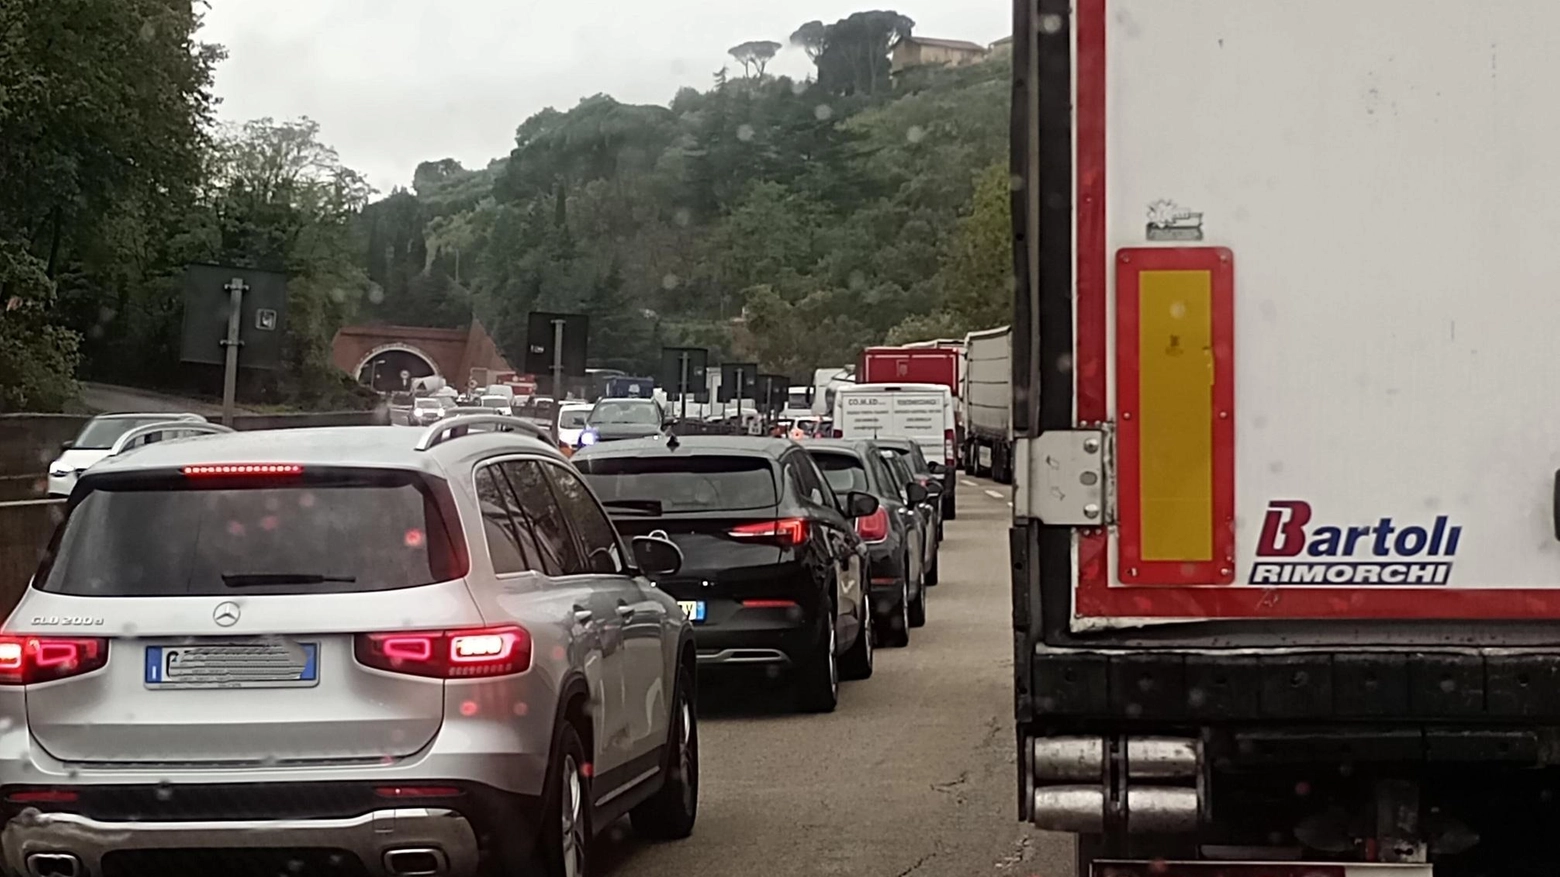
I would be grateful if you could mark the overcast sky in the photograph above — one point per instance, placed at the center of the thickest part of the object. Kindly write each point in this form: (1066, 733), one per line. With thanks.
(396, 82)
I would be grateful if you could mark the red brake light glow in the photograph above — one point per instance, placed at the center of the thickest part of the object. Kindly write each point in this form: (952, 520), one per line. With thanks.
(448, 654)
(41, 796)
(948, 451)
(241, 470)
(25, 660)
(873, 527)
(789, 532)
(417, 792)
(768, 604)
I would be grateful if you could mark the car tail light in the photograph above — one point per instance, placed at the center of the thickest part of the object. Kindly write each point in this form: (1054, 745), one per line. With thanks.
(242, 470)
(25, 660)
(789, 532)
(839, 433)
(948, 452)
(873, 527)
(768, 604)
(41, 796)
(417, 792)
(448, 654)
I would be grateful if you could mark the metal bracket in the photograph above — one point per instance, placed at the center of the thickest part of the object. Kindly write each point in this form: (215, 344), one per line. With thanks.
(1064, 478)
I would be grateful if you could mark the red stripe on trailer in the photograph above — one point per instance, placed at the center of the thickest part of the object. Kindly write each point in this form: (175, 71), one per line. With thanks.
(1217, 263)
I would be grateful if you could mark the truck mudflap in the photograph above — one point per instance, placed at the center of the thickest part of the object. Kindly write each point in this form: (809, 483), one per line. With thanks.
(1158, 868)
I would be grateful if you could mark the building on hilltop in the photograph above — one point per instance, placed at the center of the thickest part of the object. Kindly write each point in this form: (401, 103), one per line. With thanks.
(920, 51)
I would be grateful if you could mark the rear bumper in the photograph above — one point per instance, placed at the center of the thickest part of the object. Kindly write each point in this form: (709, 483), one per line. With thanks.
(106, 835)
(887, 580)
(442, 838)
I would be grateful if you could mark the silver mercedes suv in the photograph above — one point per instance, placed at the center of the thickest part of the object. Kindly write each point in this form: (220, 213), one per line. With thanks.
(366, 650)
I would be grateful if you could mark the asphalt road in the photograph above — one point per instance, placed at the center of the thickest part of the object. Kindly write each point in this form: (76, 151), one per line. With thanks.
(913, 775)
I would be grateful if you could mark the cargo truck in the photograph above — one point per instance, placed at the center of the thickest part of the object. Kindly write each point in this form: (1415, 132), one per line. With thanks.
(1286, 539)
(929, 362)
(988, 404)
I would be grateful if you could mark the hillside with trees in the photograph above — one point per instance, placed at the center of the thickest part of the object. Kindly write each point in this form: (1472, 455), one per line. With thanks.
(791, 222)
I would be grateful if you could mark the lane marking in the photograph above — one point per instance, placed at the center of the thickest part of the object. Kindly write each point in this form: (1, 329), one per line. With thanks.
(995, 494)
(968, 483)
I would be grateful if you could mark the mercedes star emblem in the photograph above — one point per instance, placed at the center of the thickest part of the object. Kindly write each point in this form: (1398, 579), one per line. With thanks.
(226, 614)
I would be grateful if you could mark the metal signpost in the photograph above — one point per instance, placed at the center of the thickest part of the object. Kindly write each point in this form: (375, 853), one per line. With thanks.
(228, 311)
(556, 345)
(737, 380)
(684, 368)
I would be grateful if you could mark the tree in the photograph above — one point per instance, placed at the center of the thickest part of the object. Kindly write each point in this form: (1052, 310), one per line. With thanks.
(813, 37)
(978, 268)
(754, 56)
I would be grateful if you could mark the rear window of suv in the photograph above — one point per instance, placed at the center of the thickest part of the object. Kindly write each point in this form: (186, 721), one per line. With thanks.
(693, 483)
(192, 537)
(844, 472)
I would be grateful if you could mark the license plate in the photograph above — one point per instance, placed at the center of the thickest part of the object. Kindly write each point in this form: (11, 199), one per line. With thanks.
(266, 664)
(694, 609)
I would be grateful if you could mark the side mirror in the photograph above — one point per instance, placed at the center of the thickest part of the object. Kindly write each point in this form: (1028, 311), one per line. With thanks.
(859, 505)
(933, 489)
(938, 469)
(657, 557)
(67, 445)
(916, 493)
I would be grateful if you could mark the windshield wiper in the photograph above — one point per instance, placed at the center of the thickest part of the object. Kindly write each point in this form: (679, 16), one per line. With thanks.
(265, 579)
(651, 507)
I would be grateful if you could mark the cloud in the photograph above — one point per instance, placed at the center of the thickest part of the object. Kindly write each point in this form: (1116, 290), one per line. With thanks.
(396, 82)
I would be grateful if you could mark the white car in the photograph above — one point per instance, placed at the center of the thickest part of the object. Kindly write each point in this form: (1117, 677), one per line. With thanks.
(571, 422)
(94, 441)
(497, 404)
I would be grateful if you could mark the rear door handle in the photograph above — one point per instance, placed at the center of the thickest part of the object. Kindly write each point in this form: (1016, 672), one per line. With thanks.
(582, 615)
(625, 610)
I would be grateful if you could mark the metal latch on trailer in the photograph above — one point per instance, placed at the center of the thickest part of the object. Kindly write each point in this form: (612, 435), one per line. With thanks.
(1063, 478)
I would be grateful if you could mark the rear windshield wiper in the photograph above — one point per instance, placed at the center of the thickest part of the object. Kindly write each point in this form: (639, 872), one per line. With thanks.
(650, 507)
(264, 579)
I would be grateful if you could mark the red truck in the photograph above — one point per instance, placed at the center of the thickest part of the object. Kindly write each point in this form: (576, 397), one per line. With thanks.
(918, 364)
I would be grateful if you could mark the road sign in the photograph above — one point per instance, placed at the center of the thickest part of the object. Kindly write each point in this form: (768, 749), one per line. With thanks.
(208, 304)
(672, 374)
(738, 380)
(772, 392)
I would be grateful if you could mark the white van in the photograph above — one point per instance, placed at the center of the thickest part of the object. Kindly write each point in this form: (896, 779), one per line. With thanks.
(923, 412)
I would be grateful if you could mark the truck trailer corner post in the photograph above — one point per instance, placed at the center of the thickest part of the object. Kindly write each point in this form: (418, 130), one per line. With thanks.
(1284, 555)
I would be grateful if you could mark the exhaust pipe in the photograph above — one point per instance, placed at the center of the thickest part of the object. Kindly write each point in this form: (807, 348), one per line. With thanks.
(54, 865)
(1145, 785)
(1150, 809)
(416, 862)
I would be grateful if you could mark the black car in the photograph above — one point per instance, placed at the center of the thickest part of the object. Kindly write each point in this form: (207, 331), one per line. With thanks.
(933, 477)
(618, 419)
(896, 534)
(773, 573)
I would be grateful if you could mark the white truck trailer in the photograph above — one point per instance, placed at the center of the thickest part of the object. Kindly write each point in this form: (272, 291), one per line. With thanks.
(1286, 537)
(988, 404)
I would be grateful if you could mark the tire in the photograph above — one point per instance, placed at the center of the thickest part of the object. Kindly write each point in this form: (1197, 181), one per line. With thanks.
(917, 614)
(566, 821)
(670, 813)
(950, 507)
(857, 661)
(896, 629)
(931, 574)
(817, 684)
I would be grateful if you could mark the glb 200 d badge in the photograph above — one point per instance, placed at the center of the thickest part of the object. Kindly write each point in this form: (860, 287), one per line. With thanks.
(1292, 552)
(66, 621)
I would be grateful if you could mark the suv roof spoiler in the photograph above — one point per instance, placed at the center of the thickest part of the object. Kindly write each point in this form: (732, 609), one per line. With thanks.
(199, 427)
(440, 431)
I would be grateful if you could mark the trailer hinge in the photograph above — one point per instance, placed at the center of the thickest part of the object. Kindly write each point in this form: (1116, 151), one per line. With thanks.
(1061, 478)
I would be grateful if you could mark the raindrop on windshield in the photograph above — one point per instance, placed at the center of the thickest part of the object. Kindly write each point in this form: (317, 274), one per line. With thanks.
(744, 133)
(670, 282)
(823, 112)
(916, 134)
